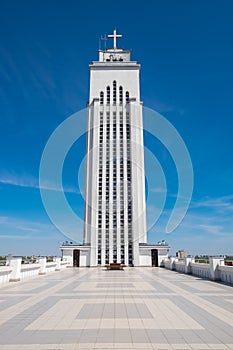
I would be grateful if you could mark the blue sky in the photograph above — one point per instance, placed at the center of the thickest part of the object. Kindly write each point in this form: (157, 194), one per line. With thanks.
(185, 49)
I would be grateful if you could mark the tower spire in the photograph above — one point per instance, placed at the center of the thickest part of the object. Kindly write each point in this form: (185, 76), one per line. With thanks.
(114, 36)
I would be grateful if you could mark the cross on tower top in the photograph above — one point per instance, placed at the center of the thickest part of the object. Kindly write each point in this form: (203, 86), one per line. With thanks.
(114, 36)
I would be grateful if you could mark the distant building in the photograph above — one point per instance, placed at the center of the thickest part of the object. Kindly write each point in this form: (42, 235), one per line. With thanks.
(181, 254)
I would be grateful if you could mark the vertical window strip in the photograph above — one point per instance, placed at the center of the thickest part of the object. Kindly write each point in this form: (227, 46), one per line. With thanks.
(114, 228)
(107, 184)
(101, 98)
(122, 246)
(121, 95)
(114, 92)
(127, 96)
(130, 246)
(100, 190)
(108, 95)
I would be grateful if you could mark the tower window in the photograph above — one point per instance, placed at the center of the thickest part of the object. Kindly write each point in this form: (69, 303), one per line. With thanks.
(120, 94)
(101, 98)
(108, 95)
(127, 96)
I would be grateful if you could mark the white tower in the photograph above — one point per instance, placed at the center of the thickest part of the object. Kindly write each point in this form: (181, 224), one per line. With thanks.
(115, 210)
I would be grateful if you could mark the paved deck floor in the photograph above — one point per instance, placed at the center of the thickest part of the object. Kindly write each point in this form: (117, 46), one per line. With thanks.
(138, 308)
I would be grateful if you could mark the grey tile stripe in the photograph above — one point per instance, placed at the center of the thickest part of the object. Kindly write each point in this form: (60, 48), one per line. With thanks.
(21, 306)
(215, 310)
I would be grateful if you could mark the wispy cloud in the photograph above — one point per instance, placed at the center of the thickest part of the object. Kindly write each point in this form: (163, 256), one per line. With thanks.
(212, 229)
(21, 181)
(32, 182)
(158, 190)
(30, 229)
(3, 219)
(221, 203)
(20, 225)
(11, 236)
(195, 223)
(159, 105)
(38, 74)
(22, 228)
(162, 107)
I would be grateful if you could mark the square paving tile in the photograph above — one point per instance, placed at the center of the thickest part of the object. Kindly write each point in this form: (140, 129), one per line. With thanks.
(139, 308)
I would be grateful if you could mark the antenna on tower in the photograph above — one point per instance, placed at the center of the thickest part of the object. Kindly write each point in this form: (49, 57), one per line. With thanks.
(103, 38)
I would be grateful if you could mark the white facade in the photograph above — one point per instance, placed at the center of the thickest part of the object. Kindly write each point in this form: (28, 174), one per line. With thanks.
(83, 255)
(115, 208)
(146, 255)
(115, 216)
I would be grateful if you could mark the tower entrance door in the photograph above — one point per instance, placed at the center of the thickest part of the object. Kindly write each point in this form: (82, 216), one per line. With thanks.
(154, 258)
(76, 254)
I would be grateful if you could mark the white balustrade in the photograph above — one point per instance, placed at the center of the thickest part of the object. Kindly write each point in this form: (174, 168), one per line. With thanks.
(16, 271)
(215, 270)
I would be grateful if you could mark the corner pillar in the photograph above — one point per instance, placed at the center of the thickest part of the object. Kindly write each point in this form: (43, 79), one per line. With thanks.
(15, 263)
(188, 261)
(58, 264)
(172, 263)
(215, 262)
(42, 262)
